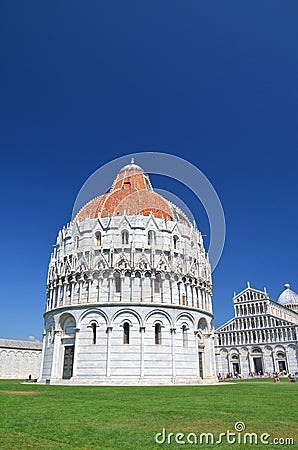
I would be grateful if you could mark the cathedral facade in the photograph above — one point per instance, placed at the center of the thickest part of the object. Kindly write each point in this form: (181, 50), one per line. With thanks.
(129, 293)
(262, 337)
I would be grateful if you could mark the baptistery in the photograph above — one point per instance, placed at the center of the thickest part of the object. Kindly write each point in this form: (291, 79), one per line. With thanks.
(129, 293)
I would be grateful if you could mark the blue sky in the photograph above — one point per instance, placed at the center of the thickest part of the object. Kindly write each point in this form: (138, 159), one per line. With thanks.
(213, 82)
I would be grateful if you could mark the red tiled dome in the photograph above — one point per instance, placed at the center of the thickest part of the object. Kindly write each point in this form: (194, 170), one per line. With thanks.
(130, 194)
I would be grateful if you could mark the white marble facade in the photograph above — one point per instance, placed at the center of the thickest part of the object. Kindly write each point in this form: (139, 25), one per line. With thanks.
(129, 297)
(262, 337)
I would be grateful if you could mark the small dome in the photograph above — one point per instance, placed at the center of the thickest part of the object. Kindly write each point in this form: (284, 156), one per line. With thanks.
(288, 297)
(130, 194)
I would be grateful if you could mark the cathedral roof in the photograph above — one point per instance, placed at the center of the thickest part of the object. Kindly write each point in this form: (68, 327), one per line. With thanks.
(288, 297)
(24, 345)
(131, 193)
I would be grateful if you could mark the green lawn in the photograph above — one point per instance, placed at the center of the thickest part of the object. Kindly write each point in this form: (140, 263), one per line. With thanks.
(70, 417)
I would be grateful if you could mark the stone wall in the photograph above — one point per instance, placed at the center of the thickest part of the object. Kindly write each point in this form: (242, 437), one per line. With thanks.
(19, 359)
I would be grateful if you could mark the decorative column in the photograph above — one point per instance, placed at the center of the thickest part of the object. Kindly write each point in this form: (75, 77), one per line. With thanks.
(111, 289)
(50, 295)
(132, 281)
(197, 337)
(108, 367)
(209, 302)
(186, 289)
(122, 278)
(90, 280)
(142, 331)
(44, 338)
(171, 290)
(142, 285)
(243, 360)
(100, 278)
(250, 362)
(81, 282)
(268, 336)
(173, 332)
(65, 283)
(152, 286)
(48, 298)
(73, 282)
(179, 292)
(54, 293)
(288, 361)
(56, 363)
(196, 297)
(229, 362)
(162, 284)
(264, 362)
(59, 285)
(273, 361)
(75, 357)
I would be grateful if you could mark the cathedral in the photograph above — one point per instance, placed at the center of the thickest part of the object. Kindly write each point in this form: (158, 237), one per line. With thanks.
(129, 293)
(262, 337)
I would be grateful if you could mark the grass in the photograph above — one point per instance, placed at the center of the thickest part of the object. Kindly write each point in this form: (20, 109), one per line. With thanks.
(106, 417)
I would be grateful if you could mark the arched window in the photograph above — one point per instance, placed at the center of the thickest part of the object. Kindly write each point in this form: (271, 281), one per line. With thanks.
(202, 325)
(157, 333)
(157, 282)
(151, 237)
(93, 326)
(125, 237)
(175, 241)
(127, 184)
(98, 238)
(184, 336)
(126, 333)
(256, 350)
(183, 299)
(117, 282)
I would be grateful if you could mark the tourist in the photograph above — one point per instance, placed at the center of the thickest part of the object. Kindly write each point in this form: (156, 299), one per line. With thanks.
(276, 377)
